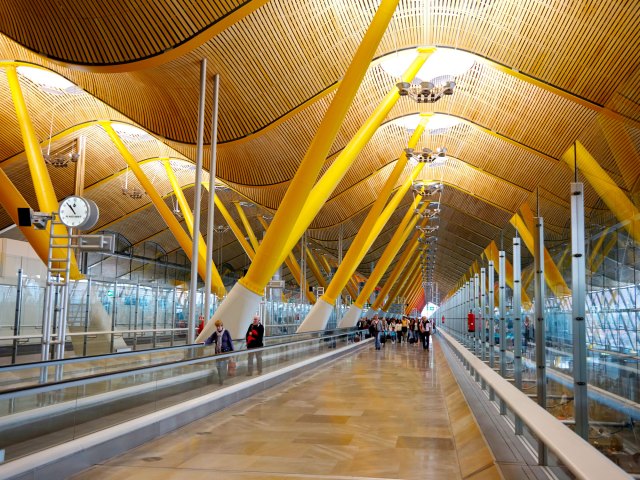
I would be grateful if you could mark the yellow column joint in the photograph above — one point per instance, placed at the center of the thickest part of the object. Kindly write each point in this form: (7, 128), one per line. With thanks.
(397, 270)
(233, 225)
(552, 275)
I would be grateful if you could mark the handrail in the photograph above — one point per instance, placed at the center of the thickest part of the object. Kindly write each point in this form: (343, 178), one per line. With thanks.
(583, 460)
(105, 376)
(151, 351)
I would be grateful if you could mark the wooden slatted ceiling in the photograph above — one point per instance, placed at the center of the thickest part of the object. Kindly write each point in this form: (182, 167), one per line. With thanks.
(108, 33)
(287, 45)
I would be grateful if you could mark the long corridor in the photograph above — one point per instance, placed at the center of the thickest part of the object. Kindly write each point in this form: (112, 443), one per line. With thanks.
(397, 413)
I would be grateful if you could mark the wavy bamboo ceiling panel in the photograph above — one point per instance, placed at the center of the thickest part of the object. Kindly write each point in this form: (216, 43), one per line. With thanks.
(285, 53)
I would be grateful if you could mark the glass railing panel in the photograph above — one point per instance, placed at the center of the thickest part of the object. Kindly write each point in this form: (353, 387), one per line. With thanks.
(52, 414)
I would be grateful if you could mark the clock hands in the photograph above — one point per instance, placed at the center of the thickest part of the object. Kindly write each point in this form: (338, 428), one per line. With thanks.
(74, 212)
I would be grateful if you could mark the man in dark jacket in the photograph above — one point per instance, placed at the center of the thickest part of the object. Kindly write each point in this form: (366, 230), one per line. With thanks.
(254, 337)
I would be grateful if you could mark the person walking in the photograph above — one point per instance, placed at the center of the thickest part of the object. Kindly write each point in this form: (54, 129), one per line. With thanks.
(254, 338)
(425, 332)
(221, 338)
(376, 326)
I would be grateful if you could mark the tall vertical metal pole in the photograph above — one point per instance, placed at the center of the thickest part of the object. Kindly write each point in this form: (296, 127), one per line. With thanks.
(483, 312)
(476, 312)
(491, 294)
(539, 292)
(502, 298)
(578, 292)
(17, 318)
(193, 286)
(467, 305)
(517, 323)
(212, 195)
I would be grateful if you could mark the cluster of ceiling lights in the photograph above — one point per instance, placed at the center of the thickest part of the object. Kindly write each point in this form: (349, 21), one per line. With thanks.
(60, 160)
(426, 155)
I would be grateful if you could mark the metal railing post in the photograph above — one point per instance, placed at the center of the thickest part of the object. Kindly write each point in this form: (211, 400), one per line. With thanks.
(578, 291)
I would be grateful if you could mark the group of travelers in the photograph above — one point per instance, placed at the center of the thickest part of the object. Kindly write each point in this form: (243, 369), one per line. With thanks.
(411, 330)
(221, 339)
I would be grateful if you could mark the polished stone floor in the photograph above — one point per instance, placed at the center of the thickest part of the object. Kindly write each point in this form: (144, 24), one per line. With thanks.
(397, 413)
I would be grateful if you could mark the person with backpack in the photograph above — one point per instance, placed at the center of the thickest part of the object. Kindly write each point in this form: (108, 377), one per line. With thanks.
(254, 339)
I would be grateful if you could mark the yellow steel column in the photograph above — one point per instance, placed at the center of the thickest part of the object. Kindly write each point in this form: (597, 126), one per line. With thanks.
(374, 222)
(613, 197)
(397, 270)
(395, 291)
(232, 224)
(552, 275)
(265, 262)
(352, 286)
(290, 261)
(607, 248)
(182, 202)
(315, 269)
(334, 174)
(400, 235)
(45, 194)
(11, 199)
(178, 232)
(415, 277)
(247, 226)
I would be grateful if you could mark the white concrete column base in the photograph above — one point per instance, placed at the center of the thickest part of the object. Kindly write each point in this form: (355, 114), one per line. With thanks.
(317, 318)
(236, 311)
(351, 317)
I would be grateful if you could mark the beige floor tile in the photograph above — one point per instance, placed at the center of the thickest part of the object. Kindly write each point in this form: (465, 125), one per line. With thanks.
(379, 414)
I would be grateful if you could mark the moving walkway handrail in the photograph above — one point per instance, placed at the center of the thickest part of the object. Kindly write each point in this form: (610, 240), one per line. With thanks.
(583, 460)
(53, 363)
(75, 381)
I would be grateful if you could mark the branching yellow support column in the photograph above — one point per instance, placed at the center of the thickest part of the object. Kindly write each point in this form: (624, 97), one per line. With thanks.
(315, 269)
(232, 224)
(176, 229)
(400, 235)
(188, 220)
(247, 226)
(402, 281)
(552, 275)
(334, 174)
(492, 254)
(614, 198)
(352, 286)
(414, 281)
(397, 270)
(244, 298)
(46, 195)
(595, 264)
(370, 229)
(290, 261)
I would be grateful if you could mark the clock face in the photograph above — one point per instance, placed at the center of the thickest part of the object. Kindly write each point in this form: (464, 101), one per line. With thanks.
(74, 211)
